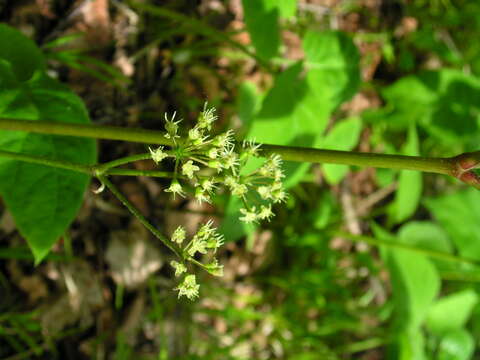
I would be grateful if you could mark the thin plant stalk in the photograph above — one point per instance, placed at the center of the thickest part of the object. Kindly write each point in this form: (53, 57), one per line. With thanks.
(431, 253)
(86, 130)
(61, 164)
(104, 180)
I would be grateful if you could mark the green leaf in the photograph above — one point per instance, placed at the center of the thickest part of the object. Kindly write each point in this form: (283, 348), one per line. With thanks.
(457, 344)
(444, 103)
(42, 200)
(411, 345)
(407, 196)
(248, 103)
(451, 312)
(21, 52)
(261, 19)
(287, 8)
(415, 283)
(333, 62)
(343, 136)
(459, 214)
(427, 235)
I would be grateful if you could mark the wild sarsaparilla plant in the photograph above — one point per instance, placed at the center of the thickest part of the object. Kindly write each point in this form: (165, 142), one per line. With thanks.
(47, 157)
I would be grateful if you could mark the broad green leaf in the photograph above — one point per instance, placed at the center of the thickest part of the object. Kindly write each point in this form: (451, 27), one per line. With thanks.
(425, 235)
(415, 283)
(430, 236)
(333, 62)
(444, 103)
(42, 200)
(459, 214)
(248, 103)
(410, 101)
(451, 312)
(457, 344)
(409, 189)
(261, 19)
(343, 136)
(21, 52)
(411, 345)
(287, 8)
(324, 211)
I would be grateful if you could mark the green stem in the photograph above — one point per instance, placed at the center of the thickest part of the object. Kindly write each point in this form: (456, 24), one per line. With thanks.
(122, 161)
(85, 169)
(92, 170)
(86, 130)
(139, 215)
(362, 345)
(289, 153)
(460, 276)
(131, 172)
(432, 253)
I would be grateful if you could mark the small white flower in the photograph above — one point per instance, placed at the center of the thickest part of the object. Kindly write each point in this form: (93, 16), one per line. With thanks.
(188, 287)
(214, 268)
(279, 196)
(207, 117)
(239, 189)
(265, 212)
(215, 241)
(179, 235)
(175, 188)
(230, 161)
(158, 154)
(212, 153)
(206, 230)
(271, 166)
(265, 192)
(278, 175)
(208, 185)
(276, 160)
(201, 195)
(250, 148)
(195, 134)
(249, 216)
(230, 181)
(188, 169)
(171, 126)
(224, 141)
(198, 245)
(179, 267)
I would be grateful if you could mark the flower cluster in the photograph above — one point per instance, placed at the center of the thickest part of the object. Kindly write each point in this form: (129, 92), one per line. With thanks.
(205, 162)
(206, 239)
(198, 155)
(264, 181)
